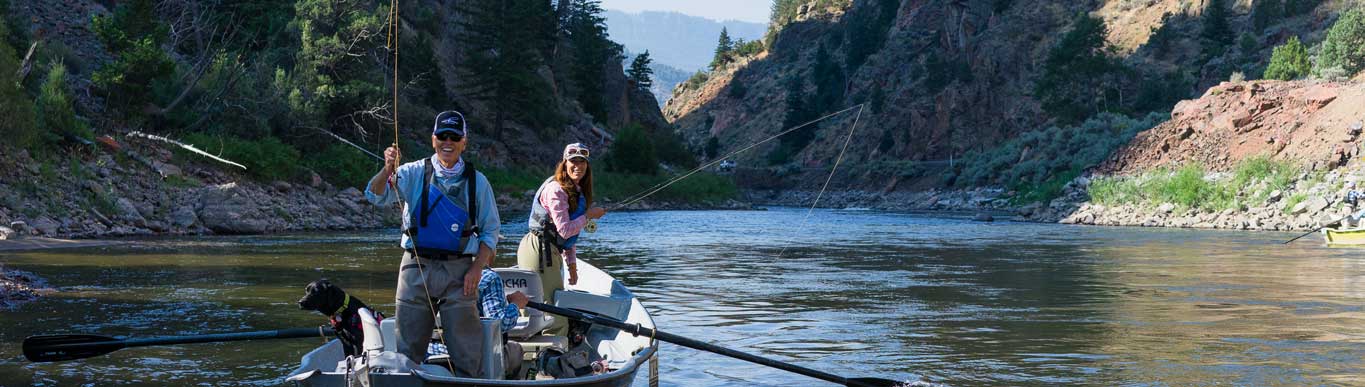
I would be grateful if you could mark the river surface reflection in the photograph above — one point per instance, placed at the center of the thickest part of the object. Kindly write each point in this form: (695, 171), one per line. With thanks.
(856, 293)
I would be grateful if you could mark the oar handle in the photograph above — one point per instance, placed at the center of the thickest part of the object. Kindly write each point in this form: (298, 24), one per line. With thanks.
(638, 330)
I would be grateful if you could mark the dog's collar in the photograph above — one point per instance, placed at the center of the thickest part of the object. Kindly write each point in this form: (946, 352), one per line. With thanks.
(344, 304)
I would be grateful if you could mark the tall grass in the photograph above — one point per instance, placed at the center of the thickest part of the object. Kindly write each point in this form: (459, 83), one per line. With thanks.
(1190, 187)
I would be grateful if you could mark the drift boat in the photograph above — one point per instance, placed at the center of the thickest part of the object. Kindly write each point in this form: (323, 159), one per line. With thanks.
(1339, 237)
(621, 353)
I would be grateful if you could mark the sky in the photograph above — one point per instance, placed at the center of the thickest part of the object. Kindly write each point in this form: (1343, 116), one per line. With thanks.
(744, 10)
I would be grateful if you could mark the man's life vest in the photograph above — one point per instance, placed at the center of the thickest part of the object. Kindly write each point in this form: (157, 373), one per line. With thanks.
(541, 223)
(439, 227)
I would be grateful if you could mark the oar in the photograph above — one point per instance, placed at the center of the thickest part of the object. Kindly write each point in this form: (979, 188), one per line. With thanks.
(638, 330)
(46, 348)
(1316, 230)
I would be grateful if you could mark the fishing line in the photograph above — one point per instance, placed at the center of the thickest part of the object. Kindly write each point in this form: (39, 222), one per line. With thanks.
(658, 187)
(831, 174)
(392, 43)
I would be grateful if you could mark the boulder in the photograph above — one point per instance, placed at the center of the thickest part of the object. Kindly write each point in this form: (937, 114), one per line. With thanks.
(1274, 196)
(128, 212)
(184, 217)
(281, 186)
(1166, 208)
(7, 233)
(1300, 208)
(1317, 204)
(227, 209)
(20, 227)
(983, 217)
(46, 226)
(1320, 95)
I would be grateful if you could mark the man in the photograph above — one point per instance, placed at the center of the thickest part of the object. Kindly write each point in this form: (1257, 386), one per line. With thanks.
(1352, 204)
(450, 229)
(496, 304)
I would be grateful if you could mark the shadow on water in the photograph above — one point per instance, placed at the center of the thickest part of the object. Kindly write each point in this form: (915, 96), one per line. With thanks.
(855, 293)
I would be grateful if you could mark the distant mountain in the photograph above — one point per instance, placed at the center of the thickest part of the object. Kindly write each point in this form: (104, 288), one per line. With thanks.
(665, 77)
(681, 41)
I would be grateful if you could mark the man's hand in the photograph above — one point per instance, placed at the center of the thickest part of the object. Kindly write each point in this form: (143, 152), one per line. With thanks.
(519, 299)
(391, 159)
(471, 280)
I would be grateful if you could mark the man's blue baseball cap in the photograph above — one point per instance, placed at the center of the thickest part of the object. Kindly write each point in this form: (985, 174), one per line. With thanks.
(449, 121)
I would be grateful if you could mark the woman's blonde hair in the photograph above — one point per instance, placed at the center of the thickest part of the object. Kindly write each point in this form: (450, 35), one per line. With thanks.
(566, 182)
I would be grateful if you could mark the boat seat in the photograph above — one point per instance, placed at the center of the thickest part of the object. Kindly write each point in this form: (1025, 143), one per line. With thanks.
(527, 282)
(374, 339)
(614, 306)
(531, 346)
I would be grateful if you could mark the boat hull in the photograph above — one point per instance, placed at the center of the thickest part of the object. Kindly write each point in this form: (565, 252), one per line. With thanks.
(620, 378)
(1337, 237)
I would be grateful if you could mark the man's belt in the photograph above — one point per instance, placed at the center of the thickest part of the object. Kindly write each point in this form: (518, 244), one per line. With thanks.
(438, 256)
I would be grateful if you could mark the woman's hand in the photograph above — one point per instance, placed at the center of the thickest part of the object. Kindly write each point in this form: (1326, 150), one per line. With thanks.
(573, 274)
(596, 212)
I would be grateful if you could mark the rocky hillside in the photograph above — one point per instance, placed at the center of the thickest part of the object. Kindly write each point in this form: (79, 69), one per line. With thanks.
(121, 185)
(956, 76)
(1261, 155)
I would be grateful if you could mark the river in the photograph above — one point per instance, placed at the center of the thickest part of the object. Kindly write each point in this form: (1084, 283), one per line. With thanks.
(923, 297)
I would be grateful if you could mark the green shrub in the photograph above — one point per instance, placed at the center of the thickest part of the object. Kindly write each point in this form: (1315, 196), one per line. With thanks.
(1294, 200)
(266, 159)
(343, 165)
(136, 34)
(633, 152)
(697, 79)
(15, 106)
(1344, 46)
(698, 188)
(516, 180)
(1189, 188)
(55, 115)
(1040, 162)
(1288, 61)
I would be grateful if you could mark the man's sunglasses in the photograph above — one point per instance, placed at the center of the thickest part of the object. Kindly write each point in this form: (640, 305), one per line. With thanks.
(449, 136)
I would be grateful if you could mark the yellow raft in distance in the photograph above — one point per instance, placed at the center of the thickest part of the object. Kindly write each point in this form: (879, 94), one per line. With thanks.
(1338, 237)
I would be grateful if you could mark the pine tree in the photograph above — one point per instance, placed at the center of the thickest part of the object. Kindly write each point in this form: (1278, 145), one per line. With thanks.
(55, 115)
(1288, 61)
(723, 47)
(592, 50)
(334, 70)
(1216, 29)
(1344, 46)
(503, 40)
(1073, 84)
(136, 33)
(797, 112)
(1266, 12)
(878, 99)
(639, 71)
(829, 82)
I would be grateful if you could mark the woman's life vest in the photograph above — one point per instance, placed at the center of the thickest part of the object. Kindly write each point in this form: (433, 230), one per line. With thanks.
(541, 223)
(438, 226)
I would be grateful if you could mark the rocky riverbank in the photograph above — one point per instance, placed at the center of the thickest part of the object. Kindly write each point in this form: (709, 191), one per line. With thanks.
(18, 287)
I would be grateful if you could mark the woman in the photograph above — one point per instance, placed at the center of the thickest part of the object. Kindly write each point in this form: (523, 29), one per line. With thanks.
(558, 213)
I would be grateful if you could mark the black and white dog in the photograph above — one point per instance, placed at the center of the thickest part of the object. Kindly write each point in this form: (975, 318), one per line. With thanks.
(343, 310)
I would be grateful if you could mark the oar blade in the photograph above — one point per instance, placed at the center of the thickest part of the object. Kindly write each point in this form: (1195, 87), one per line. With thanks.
(49, 348)
(873, 382)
